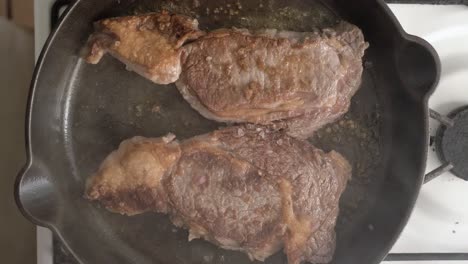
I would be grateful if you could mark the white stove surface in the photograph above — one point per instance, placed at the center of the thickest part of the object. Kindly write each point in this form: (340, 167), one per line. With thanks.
(439, 223)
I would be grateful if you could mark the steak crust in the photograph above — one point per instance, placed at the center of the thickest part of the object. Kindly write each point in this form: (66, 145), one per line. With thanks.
(148, 44)
(305, 79)
(245, 188)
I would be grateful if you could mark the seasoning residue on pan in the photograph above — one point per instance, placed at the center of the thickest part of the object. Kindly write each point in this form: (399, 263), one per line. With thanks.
(294, 15)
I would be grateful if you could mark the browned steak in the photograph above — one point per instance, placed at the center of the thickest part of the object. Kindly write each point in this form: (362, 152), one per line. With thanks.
(261, 77)
(243, 188)
(298, 80)
(148, 44)
(129, 180)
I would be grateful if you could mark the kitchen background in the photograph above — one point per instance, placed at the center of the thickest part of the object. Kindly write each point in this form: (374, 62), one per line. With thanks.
(17, 235)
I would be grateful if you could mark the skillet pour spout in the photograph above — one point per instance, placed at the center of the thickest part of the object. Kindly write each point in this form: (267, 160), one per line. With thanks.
(418, 66)
(35, 194)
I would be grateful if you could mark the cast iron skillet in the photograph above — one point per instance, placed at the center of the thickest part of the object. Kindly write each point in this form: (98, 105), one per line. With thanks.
(78, 113)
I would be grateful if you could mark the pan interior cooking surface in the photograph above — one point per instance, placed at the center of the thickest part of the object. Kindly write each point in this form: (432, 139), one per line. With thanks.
(109, 104)
(79, 113)
(282, 15)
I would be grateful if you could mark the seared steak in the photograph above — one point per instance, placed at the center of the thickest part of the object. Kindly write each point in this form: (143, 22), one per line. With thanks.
(240, 76)
(299, 80)
(147, 44)
(243, 188)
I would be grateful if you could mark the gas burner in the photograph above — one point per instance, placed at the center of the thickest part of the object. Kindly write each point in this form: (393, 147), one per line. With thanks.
(451, 143)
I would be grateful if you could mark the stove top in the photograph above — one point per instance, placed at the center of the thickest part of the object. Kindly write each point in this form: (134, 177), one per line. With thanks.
(438, 227)
(451, 142)
(439, 223)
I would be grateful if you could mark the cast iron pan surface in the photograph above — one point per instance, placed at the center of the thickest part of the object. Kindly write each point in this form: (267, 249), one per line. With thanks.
(79, 113)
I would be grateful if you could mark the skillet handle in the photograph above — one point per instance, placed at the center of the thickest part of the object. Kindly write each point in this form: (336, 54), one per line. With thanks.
(418, 66)
(34, 195)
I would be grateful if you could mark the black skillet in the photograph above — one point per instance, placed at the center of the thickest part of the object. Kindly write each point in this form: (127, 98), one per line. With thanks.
(78, 113)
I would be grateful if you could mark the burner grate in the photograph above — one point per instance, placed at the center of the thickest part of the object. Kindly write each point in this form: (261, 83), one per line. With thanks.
(452, 142)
